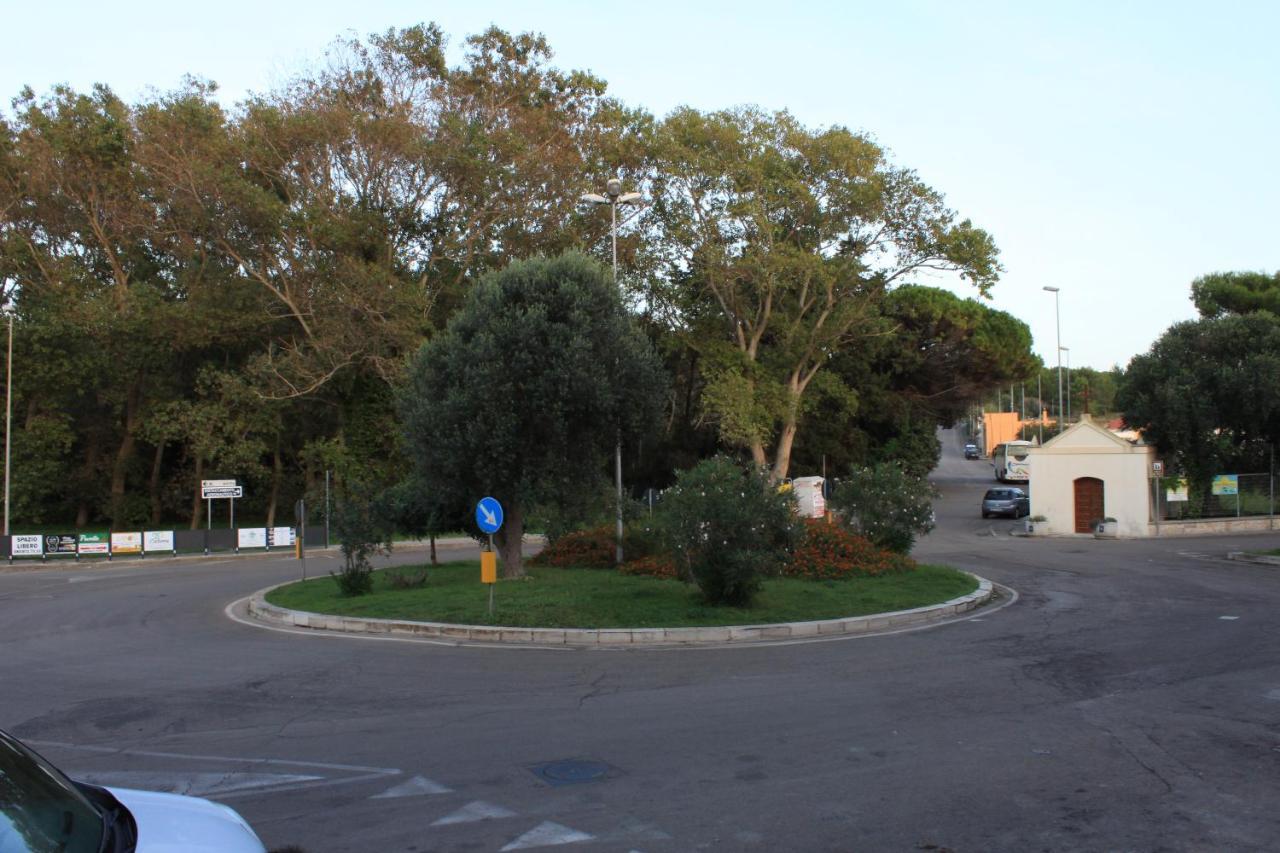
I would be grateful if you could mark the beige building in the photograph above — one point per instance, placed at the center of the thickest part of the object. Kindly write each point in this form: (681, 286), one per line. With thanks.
(1089, 473)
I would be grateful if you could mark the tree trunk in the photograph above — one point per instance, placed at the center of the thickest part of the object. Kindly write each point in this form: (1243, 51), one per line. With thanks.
(509, 541)
(782, 457)
(197, 503)
(124, 455)
(277, 467)
(757, 454)
(153, 485)
(434, 560)
(90, 466)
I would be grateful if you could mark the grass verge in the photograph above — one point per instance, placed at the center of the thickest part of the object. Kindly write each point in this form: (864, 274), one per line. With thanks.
(600, 598)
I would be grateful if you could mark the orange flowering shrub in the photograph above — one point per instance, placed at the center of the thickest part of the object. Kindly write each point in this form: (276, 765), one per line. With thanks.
(594, 548)
(830, 552)
(654, 567)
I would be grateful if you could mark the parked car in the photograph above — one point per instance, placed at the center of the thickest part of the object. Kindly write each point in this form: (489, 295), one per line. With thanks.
(971, 452)
(1011, 502)
(42, 810)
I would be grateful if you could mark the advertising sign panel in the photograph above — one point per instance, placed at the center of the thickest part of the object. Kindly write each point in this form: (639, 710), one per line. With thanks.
(280, 537)
(94, 543)
(126, 543)
(252, 537)
(157, 540)
(60, 543)
(28, 545)
(1226, 484)
(1178, 491)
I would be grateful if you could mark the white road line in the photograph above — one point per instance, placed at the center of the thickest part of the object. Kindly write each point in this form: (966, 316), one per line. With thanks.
(474, 811)
(417, 786)
(186, 756)
(548, 834)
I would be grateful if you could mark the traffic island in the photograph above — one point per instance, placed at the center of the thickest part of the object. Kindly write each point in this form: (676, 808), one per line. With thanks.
(608, 634)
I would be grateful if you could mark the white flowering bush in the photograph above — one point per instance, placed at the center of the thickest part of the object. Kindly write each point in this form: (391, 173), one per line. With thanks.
(886, 505)
(725, 526)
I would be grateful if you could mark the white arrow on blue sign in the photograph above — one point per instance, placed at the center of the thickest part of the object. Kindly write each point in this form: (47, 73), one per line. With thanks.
(489, 515)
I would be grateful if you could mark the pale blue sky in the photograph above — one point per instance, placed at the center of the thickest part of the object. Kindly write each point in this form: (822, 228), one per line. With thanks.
(1114, 150)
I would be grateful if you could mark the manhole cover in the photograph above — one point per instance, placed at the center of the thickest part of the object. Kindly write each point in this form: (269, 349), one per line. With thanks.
(571, 771)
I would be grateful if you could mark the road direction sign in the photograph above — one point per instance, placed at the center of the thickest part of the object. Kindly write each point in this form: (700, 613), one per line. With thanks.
(489, 515)
(226, 492)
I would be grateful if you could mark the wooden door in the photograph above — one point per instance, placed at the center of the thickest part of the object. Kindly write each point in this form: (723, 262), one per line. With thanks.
(1089, 508)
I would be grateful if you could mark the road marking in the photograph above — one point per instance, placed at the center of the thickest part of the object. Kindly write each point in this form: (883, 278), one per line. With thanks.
(357, 773)
(548, 834)
(193, 784)
(474, 811)
(415, 787)
(1229, 618)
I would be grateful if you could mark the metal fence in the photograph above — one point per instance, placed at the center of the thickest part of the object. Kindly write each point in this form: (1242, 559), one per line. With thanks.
(1255, 496)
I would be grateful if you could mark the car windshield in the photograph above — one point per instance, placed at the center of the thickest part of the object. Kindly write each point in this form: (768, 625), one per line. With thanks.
(40, 810)
(999, 494)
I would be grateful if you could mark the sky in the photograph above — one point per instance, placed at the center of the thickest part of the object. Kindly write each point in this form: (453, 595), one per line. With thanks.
(1114, 150)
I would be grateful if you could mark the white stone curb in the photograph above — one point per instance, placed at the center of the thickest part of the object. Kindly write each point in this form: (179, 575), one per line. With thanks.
(615, 637)
(1246, 557)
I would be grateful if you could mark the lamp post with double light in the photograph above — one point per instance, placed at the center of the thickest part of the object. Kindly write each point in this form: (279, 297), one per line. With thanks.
(613, 197)
(1057, 320)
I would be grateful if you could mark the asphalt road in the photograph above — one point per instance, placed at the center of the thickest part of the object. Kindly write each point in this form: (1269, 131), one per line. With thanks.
(1128, 699)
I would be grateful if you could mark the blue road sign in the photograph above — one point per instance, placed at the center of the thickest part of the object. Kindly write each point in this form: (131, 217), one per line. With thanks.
(489, 515)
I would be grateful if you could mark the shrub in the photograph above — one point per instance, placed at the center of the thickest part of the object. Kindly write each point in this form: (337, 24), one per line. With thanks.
(363, 533)
(407, 578)
(725, 525)
(653, 566)
(595, 548)
(830, 552)
(886, 505)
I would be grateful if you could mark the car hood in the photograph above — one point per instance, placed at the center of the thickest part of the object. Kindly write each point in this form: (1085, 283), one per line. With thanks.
(170, 823)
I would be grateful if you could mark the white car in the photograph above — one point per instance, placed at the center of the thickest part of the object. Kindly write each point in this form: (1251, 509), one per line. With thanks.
(42, 811)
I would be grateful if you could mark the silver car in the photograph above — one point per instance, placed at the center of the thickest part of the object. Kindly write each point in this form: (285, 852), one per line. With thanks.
(1011, 502)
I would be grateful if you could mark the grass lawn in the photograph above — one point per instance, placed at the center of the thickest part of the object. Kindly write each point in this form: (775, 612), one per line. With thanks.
(1274, 552)
(601, 598)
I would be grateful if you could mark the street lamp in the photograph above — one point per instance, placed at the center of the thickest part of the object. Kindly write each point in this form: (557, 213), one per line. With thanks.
(8, 419)
(1067, 350)
(613, 197)
(1057, 318)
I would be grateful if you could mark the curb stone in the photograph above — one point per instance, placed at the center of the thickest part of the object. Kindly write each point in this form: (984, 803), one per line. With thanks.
(1246, 557)
(263, 611)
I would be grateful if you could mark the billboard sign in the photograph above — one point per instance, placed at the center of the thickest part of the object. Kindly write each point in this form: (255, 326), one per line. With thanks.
(94, 543)
(1177, 492)
(126, 543)
(60, 543)
(1226, 484)
(252, 537)
(280, 537)
(28, 545)
(157, 540)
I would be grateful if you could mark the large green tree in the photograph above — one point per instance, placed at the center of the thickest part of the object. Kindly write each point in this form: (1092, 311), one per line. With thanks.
(779, 241)
(1222, 293)
(522, 396)
(1207, 395)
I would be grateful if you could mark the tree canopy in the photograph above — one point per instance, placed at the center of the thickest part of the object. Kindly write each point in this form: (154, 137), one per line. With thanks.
(205, 291)
(528, 388)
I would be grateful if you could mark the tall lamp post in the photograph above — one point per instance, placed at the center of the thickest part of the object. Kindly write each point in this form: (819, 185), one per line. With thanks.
(613, 197)
(1067, 350)
(8, 420)
(1057, 319)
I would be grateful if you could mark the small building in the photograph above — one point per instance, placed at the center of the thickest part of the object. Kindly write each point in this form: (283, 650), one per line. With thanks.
(1088, 473)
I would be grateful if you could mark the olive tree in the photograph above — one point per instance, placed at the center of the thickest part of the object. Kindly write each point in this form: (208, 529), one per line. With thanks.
(525, 393)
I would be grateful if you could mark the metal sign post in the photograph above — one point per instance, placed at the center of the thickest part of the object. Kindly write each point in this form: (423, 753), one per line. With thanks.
(300, 543)
(489, 520)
